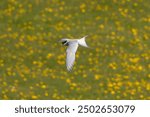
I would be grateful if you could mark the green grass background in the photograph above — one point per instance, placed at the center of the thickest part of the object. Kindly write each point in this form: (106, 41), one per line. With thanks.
(32, 62)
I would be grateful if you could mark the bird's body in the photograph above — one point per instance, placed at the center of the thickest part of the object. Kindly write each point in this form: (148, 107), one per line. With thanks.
(71, 50)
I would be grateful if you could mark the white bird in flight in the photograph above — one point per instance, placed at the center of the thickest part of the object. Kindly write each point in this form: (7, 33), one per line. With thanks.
(71, 49)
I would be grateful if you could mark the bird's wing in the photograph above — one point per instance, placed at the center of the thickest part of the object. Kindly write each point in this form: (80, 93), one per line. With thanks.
(70, 58)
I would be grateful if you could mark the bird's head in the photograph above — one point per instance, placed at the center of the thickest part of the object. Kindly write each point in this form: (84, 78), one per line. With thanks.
(64, 41)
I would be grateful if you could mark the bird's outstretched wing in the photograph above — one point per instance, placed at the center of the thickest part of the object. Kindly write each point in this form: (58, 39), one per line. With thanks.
(70, 57)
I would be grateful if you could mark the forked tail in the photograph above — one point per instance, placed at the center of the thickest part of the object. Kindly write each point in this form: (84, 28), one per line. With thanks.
(82, 41)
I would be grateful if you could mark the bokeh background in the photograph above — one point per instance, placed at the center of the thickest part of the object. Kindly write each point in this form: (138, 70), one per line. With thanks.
(32, 62)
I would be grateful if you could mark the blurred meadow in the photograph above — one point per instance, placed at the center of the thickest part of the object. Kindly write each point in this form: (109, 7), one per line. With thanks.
(32, 62)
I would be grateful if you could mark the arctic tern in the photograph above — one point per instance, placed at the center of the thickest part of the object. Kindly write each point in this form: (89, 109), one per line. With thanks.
(72, 46)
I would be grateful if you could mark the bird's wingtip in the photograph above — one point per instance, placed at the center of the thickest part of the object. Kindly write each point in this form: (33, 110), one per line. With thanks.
(69, 69)
(85, 36)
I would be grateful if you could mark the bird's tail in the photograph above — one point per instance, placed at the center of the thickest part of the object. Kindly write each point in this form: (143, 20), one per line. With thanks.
(82, 41)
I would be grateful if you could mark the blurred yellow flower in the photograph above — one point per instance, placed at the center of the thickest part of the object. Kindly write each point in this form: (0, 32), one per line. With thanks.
(113, 65)
(49, 55)
(134, 60)
(134, 31)
(82, 7)
(43, 86)
(34, 97)
(97, 76)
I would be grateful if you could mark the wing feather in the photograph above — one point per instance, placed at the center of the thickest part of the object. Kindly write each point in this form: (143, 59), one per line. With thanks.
(70, 57)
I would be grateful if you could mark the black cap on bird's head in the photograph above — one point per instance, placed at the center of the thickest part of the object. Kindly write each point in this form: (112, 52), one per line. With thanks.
(64, 42)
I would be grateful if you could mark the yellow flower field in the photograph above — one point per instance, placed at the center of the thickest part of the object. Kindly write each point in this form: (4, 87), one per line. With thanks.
(32, 61)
